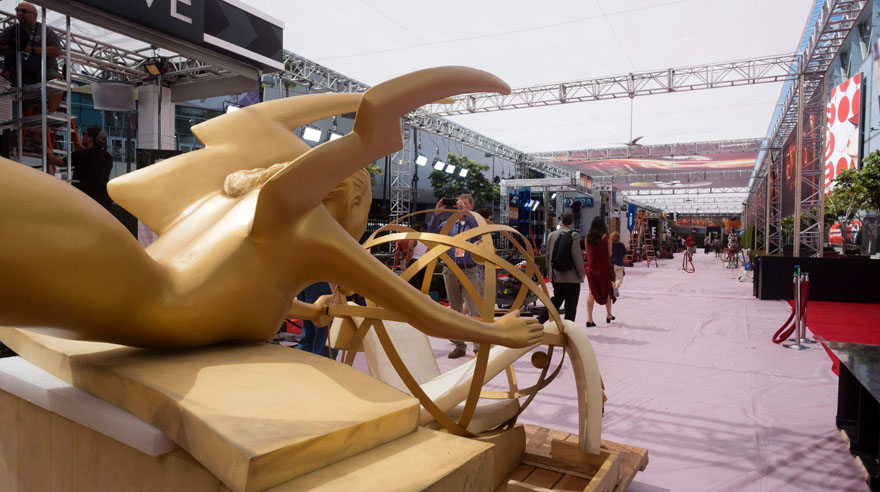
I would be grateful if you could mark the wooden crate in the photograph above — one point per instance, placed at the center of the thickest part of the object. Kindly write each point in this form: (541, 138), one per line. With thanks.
(553, 462)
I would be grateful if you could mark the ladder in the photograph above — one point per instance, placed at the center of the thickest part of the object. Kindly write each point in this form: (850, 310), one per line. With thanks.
(641, 242)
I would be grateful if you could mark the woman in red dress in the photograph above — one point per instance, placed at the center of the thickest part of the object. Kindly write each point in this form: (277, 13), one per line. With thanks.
(599, 272)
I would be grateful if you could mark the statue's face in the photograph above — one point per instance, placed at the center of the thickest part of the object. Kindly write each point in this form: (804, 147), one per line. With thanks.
(350, 208)
(359, 209)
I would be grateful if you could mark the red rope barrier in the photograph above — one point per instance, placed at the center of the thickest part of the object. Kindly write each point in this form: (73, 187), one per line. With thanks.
(785, 331)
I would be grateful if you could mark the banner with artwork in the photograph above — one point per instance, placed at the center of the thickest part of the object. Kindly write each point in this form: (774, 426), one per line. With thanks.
(842, 137)
(853, 230)
(657, 167)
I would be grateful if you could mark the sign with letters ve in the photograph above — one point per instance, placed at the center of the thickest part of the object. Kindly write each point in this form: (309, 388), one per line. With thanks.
(231, 28)
(181, 18)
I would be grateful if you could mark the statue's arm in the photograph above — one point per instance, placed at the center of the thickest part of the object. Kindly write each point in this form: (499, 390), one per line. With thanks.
(356, 268)
(376, 133)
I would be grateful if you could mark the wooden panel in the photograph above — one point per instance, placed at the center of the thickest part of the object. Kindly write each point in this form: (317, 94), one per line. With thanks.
(186, 394)
(9, 439)
(35, 448)
(63, 455)
(521, 472)
(571, 483)
(507, 452)
(425, 460)
(543, 478)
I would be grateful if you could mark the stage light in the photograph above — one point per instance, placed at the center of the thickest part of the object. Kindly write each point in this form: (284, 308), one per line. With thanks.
(450, 169)
(553, 196)
(155, 66)
(535, 204)
(334, 135)
(463, 173)
(311, 134)
(421, 160)
(439, 165)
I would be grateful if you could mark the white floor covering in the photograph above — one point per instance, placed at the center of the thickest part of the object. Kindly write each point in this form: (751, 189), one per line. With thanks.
(691, 374)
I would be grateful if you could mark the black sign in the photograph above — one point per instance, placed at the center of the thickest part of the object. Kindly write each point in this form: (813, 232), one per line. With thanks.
(231, 24)
(181, 18)
(216, 24)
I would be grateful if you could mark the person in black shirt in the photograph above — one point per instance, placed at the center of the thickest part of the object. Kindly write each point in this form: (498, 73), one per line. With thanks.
(618, 256)
(92, 166)
(25, 38)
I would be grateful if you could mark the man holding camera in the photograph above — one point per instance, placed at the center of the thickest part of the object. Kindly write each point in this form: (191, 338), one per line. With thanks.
(455, 291)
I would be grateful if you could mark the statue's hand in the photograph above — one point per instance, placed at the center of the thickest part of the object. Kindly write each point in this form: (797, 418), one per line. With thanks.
(321, 305)
(518, 332)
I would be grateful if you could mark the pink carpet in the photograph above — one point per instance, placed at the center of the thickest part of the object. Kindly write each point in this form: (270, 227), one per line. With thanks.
(692, 375)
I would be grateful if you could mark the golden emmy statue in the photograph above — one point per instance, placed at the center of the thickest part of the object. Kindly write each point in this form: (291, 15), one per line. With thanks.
(242, 229)
(244, 225)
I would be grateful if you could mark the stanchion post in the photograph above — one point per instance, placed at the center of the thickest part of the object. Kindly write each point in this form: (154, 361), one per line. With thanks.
(803, 337)
(794, 343)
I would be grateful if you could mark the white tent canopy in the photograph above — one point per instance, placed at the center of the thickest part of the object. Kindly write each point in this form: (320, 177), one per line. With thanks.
(528, 43)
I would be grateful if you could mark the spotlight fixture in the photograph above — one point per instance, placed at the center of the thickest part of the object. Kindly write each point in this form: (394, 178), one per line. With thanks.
(311, 134)
(535, 204)
(439, 165)
(155, 66)
(553, 196)
(333, 135)
(450, 169)
(421, 160)
(463, 172)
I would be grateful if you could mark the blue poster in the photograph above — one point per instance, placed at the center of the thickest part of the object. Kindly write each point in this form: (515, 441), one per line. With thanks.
(630, 216)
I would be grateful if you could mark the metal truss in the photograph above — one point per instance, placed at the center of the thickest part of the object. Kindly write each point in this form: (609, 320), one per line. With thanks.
(773, 226)
(683, 191)
(810, 185)
(802, 101)
(834, 24)
(682, 176)
(757, 213)
(734, 208)
(836, 20)
(663, 200)
(318, 76)
(401, 174)
(660, 150)
(729, 74)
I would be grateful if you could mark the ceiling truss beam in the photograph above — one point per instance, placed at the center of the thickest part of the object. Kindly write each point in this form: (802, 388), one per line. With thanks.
(762, 70)
(660, 150)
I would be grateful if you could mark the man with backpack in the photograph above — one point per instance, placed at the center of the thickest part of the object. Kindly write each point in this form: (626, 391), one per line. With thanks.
(566, 267)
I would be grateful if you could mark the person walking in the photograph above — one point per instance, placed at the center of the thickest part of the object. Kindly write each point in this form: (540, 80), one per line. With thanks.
(566, 267)
(618, 255)
(599, 271)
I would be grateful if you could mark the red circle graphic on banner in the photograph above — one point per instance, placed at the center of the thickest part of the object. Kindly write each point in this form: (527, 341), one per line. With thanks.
(856, 102)
(843, 109)
(842, 165)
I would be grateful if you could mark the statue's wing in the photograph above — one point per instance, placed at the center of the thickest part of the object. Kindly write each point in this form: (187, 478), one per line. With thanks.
(252, 137)
(376, 133)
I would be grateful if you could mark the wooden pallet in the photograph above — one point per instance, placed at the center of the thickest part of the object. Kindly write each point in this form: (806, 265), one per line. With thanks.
(553, 462)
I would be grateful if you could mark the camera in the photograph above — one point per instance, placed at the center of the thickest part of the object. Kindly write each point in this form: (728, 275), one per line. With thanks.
(449, 202)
